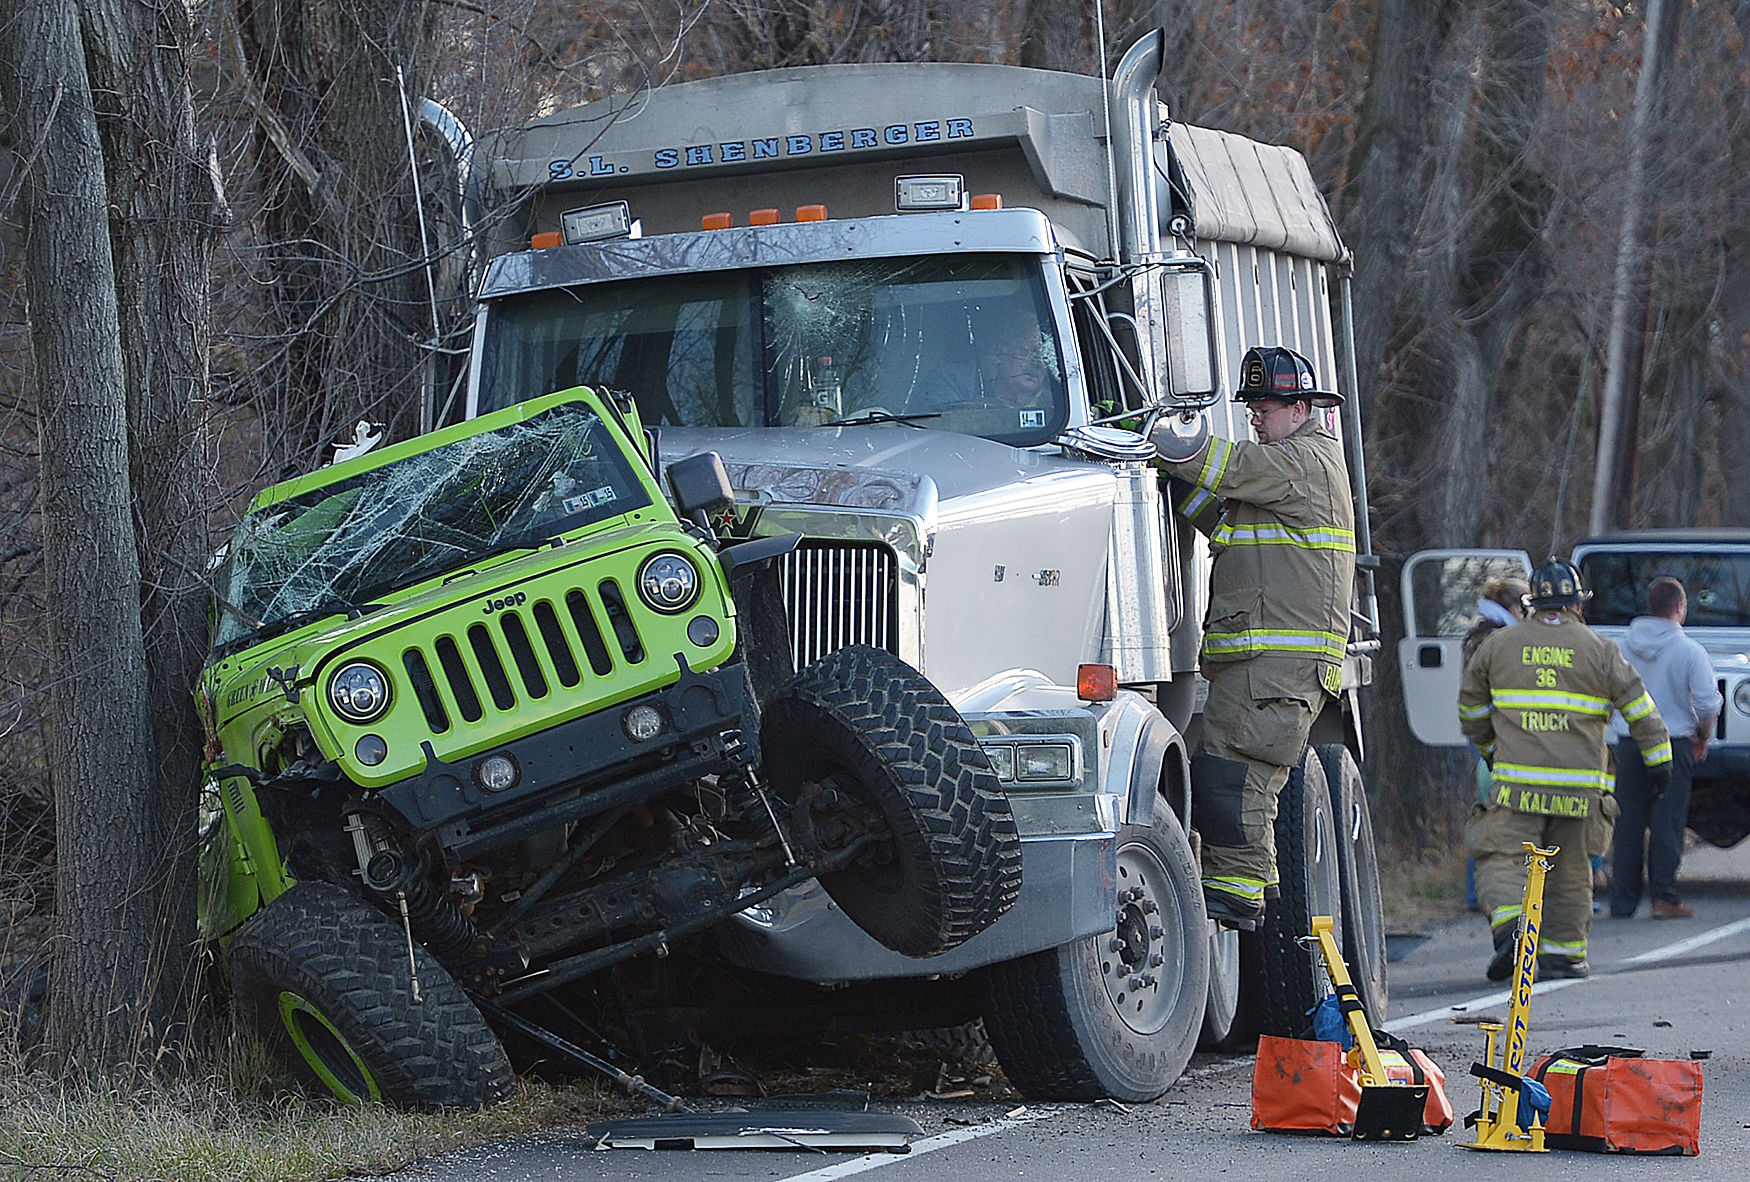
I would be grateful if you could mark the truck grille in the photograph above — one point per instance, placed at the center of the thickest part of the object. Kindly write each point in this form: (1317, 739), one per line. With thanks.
(837, 594)
(514, 654)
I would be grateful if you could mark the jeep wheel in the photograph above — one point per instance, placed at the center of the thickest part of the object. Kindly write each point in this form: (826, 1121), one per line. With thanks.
(866, 724)
(1363, 930)
(325, 978)
(1281, 978)
(1116, 1014)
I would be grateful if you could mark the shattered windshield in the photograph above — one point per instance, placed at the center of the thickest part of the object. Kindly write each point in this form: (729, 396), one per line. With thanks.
(957, 342)
(1717, 583)
(332, 549)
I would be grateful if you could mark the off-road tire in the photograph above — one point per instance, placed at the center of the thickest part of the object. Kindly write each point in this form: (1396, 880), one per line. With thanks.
(325, 979)
(1363, 931)
(873, 727)
(1062, 1026)
(1282, 977)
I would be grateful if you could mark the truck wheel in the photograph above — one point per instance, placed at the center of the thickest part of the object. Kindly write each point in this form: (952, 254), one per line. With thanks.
(1281, 978)
(1363, 932)
(1221, 1013)
(325, 978)
(868, 725)
(1116, 1014)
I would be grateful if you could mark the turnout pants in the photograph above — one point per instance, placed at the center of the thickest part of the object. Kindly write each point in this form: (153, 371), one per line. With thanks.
(1494, 836)
(1255, 726)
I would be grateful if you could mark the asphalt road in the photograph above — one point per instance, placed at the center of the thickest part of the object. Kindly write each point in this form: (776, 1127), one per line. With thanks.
(1669, 987)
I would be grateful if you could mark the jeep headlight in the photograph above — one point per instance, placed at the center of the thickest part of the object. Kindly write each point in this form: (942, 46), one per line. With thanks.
(668, 583)
(1741, 697)
(359, 692)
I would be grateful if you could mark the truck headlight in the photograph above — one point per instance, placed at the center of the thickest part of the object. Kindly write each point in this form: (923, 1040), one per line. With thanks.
(359, 692)
(668, 583)
(1741, 697)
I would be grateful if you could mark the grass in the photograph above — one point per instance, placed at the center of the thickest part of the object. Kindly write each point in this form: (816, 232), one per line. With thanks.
(240, 1124)
(1422, 888)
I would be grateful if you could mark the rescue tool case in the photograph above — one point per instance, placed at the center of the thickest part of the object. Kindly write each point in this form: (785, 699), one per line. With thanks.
(1613, 1100)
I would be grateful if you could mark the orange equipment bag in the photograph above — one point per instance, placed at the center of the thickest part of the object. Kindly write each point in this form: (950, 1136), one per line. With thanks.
(1309, 1086)
(1612, 1100)
(1303, 1086)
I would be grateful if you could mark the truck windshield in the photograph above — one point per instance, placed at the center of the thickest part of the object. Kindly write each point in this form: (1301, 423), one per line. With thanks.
(331, 549)
(964, 342)
(1717, 583)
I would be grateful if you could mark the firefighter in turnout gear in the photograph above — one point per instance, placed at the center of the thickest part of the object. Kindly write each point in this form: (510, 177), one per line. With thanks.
(1536, 699)
(1281, 529)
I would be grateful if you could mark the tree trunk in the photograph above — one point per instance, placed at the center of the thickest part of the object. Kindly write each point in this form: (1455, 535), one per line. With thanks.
(102, 982)
(166, 214)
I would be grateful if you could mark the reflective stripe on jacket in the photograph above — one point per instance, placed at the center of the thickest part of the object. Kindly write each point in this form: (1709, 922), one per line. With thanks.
(1281, 528)
(1536, 698)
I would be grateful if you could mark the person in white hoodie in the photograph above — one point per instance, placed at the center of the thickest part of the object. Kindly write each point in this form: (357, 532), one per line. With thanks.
(1680, 678)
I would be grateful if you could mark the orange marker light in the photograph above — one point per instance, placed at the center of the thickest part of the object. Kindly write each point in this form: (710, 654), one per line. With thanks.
(544, 239)
(1096, 683)
(811, 213)
(762, 217)
(987, 201)
(717, 221)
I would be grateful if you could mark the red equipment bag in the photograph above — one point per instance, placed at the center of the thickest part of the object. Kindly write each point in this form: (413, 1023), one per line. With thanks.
(1308, 1086)
(1612, 1100)
(1303, 1086)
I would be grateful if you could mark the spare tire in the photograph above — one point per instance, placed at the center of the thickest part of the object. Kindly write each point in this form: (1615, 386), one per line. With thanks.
(870, 726)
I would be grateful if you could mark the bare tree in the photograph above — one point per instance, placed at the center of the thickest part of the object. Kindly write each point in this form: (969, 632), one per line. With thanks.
(102, 737)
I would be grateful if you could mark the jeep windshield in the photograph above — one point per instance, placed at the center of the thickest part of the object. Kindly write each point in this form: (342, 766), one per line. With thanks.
(334, 548)
(1716, 582)
(952, 343)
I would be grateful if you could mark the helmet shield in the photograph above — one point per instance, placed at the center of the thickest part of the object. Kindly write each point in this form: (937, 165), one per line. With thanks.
(1269, 371)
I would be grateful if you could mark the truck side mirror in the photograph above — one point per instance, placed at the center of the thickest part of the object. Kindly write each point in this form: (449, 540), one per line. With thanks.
(700, 487)
(1187, 298)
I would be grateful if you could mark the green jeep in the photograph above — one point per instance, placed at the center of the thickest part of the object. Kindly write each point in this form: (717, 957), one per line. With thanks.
(480, 724)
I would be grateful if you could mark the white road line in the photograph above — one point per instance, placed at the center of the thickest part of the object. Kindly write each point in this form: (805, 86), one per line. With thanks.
(875, 1161)
(1668, 952)
(1723, 932)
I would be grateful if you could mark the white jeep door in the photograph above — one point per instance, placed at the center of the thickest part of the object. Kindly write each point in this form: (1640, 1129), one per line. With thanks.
(1441, 589)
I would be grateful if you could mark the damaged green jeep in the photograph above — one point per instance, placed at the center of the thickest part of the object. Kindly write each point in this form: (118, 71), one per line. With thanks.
(480, 724)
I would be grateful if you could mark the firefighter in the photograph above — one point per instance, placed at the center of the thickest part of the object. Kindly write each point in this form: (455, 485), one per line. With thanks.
(1281, 529)
(1536, 699)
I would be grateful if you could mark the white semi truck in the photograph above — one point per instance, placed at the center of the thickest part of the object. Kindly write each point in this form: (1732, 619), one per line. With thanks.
(927, 315)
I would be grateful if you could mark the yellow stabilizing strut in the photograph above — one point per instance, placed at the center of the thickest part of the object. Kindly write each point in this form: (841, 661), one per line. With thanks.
(1389, 1109)
(1498, 1119)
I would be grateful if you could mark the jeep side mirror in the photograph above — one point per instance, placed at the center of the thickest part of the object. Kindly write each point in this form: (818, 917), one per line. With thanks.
(700, 487)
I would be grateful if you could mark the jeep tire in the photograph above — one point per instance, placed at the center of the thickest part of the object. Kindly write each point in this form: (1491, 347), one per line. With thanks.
(325, 979)
(868, 725)
(1282, 974)
(1115, 1015)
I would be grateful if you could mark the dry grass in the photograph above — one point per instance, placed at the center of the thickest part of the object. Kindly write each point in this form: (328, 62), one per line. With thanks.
(1422, 888)
(239, 1125)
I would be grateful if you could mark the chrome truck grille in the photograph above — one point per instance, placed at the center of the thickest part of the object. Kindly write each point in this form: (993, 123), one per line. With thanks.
(493, 663)
(837, 594)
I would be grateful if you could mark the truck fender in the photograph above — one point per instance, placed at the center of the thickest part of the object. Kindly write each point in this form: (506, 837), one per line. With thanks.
(1147, 758)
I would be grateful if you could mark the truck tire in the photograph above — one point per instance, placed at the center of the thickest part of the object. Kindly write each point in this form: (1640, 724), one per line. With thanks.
(1221, 1013)
(1363, 931)
(1282, 978)
(1068, 1024)
(871, 726)
(325, 979)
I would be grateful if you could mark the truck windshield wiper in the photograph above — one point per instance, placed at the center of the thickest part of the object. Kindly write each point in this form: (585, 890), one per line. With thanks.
(881, 416)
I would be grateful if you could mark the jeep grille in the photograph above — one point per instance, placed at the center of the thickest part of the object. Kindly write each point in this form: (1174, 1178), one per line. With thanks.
(839, 593)
(497, 661)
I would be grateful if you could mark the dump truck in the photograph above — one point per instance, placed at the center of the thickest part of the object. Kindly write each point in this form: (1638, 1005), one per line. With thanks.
(929, 315)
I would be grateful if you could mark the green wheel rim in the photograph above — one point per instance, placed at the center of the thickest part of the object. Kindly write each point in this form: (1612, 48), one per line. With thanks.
(327, 1052)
